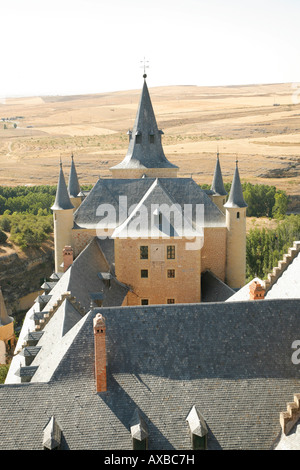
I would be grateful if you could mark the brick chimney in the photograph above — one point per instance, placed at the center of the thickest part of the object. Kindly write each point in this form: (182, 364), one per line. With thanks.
(100, 353)
(257, 292)
(67, 257)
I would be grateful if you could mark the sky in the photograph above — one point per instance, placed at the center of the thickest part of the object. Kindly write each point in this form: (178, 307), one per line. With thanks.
(65, 47)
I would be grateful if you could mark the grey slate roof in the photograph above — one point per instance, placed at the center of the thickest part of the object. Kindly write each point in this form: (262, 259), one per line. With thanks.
(108, 192)
(73, 185)
(233, 364)
(213, 289)
(62, 199)
(236, 198)
(145, 154)
(217, 185)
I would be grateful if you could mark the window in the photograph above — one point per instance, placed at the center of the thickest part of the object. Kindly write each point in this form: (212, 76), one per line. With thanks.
(144, 273)
(145, 302)
(138, 138)
(170, 252)
(170, 301)
(151, 138)
(171, 273)
(143, 252)
(237, 215)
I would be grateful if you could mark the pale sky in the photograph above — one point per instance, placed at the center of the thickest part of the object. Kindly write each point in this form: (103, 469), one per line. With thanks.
(51, 47)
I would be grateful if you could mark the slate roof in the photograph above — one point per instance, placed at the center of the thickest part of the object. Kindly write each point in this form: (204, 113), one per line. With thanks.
(73, 184)
(233, 363)
(107, 193)
(217, 185)
(81, 281)
(213, 289)
(145, 154)
(236, 198)
(62, 199)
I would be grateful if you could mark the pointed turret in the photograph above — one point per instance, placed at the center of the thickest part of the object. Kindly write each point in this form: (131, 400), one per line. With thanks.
(145, 155)
(62, 199)
(236, 198)
(63, 221)
(236, 234)
(73, 186)
(219, 192)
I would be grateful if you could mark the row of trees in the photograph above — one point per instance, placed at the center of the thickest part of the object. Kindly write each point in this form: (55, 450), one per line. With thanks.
(26, 198)
(25, 213)
(265, 247)
(262, 200)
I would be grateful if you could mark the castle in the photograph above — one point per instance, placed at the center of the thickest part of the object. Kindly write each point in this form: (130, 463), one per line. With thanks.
(97, 367)
(141, 209)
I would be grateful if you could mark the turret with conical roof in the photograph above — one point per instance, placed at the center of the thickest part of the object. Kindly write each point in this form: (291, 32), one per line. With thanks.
(74, 186)
(236, 198)
(236, 234)
(63, 220)
(145, 155)
(217, 187)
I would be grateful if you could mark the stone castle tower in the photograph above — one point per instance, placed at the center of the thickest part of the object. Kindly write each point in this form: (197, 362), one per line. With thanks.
(236, 234)
(63, 221)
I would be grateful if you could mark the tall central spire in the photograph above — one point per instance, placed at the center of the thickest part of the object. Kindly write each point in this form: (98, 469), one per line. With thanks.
(145, 155)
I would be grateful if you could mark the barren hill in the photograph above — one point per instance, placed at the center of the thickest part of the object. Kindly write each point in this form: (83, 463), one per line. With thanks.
(258, 124)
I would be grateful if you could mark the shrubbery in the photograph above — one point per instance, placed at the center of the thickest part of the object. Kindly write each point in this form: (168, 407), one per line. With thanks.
(265, 247)
(26, 214)
(262, 200)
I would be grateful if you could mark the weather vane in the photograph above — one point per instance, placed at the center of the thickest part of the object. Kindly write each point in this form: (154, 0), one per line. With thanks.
(145, 66)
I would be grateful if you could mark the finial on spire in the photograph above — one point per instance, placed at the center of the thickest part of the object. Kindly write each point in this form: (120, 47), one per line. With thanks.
(236, 161)
(145, 66)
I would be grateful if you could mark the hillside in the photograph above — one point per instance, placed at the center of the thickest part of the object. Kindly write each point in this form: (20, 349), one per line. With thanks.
(258, 124)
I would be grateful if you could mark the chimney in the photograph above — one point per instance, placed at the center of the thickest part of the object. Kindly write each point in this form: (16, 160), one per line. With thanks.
(257, 292)
(67, 257)
(100, 352)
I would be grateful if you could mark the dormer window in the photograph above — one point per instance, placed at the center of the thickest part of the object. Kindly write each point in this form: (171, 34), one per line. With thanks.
(151, 137)
(198, 429)
(139, 432)
(138, 137)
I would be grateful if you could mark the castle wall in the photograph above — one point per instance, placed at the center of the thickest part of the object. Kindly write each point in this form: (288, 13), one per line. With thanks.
(213, 253)
(185, 287)
(81, 238)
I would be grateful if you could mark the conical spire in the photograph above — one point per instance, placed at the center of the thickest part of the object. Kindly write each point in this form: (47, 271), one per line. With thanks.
(217, 184)
(145, 148)
(4, 318)
(73, 186)
(236, 198)
(62, 200)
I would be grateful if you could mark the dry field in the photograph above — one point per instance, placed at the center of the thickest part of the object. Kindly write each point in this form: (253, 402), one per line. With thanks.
(258, 124)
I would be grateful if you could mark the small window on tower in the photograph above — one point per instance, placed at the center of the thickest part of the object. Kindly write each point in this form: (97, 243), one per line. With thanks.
(237, 215)
(144, 302)
(151, 138)
(170, 252)
(144, 273)
(171, 273)
(170, 301)
(143, 252)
